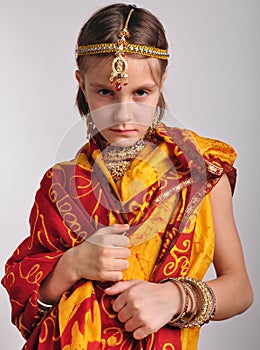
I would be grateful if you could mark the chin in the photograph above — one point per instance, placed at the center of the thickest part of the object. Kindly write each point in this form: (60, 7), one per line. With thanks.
(123, 142)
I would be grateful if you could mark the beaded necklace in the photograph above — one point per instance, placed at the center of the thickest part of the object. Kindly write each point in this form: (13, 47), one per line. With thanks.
(119, 159)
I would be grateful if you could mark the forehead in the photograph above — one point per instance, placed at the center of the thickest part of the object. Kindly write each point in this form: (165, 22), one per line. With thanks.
(100, 67)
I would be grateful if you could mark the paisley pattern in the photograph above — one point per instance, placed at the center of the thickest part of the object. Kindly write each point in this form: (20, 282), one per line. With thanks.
(164, 198)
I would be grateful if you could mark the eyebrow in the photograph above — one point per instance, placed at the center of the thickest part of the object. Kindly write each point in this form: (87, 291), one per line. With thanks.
(149, 86)
(99, 85)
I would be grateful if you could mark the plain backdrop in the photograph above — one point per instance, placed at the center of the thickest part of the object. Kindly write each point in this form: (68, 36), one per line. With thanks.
(213, 86)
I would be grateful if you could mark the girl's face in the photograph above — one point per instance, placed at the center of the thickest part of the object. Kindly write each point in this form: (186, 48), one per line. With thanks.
(122, 117)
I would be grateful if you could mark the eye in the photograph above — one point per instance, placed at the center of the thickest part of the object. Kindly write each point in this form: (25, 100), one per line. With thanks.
(141, 93)
(105, 92)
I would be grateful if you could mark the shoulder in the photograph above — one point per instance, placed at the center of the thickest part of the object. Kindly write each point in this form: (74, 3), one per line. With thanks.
(218, 156)
(209, 148)
(213, 149)
(63, 172)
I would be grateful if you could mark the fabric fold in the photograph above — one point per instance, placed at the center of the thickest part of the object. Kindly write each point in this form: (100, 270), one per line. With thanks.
(164, 196)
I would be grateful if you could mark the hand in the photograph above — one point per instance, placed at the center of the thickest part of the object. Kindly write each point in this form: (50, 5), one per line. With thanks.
(103, 256)
(145, 307)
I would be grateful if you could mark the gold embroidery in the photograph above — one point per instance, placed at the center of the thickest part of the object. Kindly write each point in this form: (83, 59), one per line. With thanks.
(213, 168)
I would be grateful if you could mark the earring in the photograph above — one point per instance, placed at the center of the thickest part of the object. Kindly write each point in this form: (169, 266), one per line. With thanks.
(155, 121)
(151, 130)
(90, 125)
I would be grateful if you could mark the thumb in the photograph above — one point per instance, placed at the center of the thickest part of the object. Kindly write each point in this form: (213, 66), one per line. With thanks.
(110, 236)
(121, 287)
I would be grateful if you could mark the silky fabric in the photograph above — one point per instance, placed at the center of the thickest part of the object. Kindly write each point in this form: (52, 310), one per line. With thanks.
(164, 197)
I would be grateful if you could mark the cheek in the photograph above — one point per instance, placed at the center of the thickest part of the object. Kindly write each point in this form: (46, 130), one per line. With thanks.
(102, 116)
(133, 113)
(144, 114)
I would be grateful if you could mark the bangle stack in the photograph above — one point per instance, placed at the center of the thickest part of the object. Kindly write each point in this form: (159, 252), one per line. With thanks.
(42, 307)
(201, 299)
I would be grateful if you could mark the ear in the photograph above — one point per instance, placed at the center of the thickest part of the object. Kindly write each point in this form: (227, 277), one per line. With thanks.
(80, 80)
(163, 80)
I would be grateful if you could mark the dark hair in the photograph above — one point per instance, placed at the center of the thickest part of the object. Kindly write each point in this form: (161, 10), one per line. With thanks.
(104, 27)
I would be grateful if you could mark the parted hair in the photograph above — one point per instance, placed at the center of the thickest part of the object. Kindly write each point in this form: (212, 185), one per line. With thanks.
(105, 25)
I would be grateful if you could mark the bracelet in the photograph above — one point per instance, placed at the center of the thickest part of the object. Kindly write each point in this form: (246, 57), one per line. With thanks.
(213, 302)
(185, 299)
(42, 307)
(202, 299)
(194, 305)
(206, 299)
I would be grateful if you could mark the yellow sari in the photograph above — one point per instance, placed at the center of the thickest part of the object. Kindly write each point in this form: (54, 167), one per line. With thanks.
(164, 197)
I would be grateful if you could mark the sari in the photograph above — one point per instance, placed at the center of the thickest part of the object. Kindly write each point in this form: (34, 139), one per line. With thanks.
(165, 198)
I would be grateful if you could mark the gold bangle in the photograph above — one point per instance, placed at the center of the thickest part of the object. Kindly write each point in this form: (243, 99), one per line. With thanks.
(194, 305)
(184, 297)
(207, 301)
(213, 303)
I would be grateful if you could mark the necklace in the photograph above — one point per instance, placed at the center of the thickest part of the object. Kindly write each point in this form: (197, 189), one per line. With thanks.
(119, 159)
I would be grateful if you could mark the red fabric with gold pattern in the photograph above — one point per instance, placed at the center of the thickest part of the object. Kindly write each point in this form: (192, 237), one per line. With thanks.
(74, 200)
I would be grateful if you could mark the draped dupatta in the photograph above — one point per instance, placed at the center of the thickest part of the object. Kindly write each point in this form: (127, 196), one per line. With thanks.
(164, 198)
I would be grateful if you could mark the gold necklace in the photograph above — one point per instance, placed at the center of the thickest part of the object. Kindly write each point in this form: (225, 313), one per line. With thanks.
(119, 159)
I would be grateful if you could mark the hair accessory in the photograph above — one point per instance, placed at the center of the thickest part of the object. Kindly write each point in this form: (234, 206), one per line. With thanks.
(103, 48)
(119, 64)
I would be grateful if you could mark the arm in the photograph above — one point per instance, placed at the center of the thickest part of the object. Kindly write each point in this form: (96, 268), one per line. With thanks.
(102, 257)
(232, 279)
(134, 306)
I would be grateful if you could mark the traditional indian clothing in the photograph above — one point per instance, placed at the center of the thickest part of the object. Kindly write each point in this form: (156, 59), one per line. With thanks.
(164, 195)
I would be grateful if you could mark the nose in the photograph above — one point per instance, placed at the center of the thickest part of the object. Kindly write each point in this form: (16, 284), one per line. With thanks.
(122, 112)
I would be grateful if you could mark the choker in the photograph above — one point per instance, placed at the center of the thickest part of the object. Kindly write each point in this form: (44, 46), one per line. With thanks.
(119, 159)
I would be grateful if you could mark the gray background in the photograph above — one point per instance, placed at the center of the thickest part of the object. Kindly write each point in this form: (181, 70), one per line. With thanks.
(212, 86)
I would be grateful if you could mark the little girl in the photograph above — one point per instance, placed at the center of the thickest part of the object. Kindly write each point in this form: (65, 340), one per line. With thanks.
(122, 236)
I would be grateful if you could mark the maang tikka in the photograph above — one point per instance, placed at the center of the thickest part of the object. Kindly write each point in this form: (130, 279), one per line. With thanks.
(119, 64)
(121, 48)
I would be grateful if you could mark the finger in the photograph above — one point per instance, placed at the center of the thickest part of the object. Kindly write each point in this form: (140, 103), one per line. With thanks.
(110, 236)
(117, 265)
(124, 314)
(117, 240)
(119, 253)
(112, 276)
(119, 303)
(142, 332)
(120, 225)
(116, 228)
(109, 241)
(121, 287)
(138, 328)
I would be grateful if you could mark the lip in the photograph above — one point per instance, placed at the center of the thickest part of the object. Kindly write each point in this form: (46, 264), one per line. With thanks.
(122, 131)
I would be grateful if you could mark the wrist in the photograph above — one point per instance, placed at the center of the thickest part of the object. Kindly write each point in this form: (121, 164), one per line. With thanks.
(69, 266)
(183, 303)
(59, 280)
(174, 294)
(198, 302)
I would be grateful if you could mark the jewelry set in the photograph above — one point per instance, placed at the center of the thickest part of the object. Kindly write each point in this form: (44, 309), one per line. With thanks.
(201, 299)
(119, 159)
(198, 302)
(120, 48)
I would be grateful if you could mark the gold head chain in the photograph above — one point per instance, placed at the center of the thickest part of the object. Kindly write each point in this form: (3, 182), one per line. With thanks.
(119, 64)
